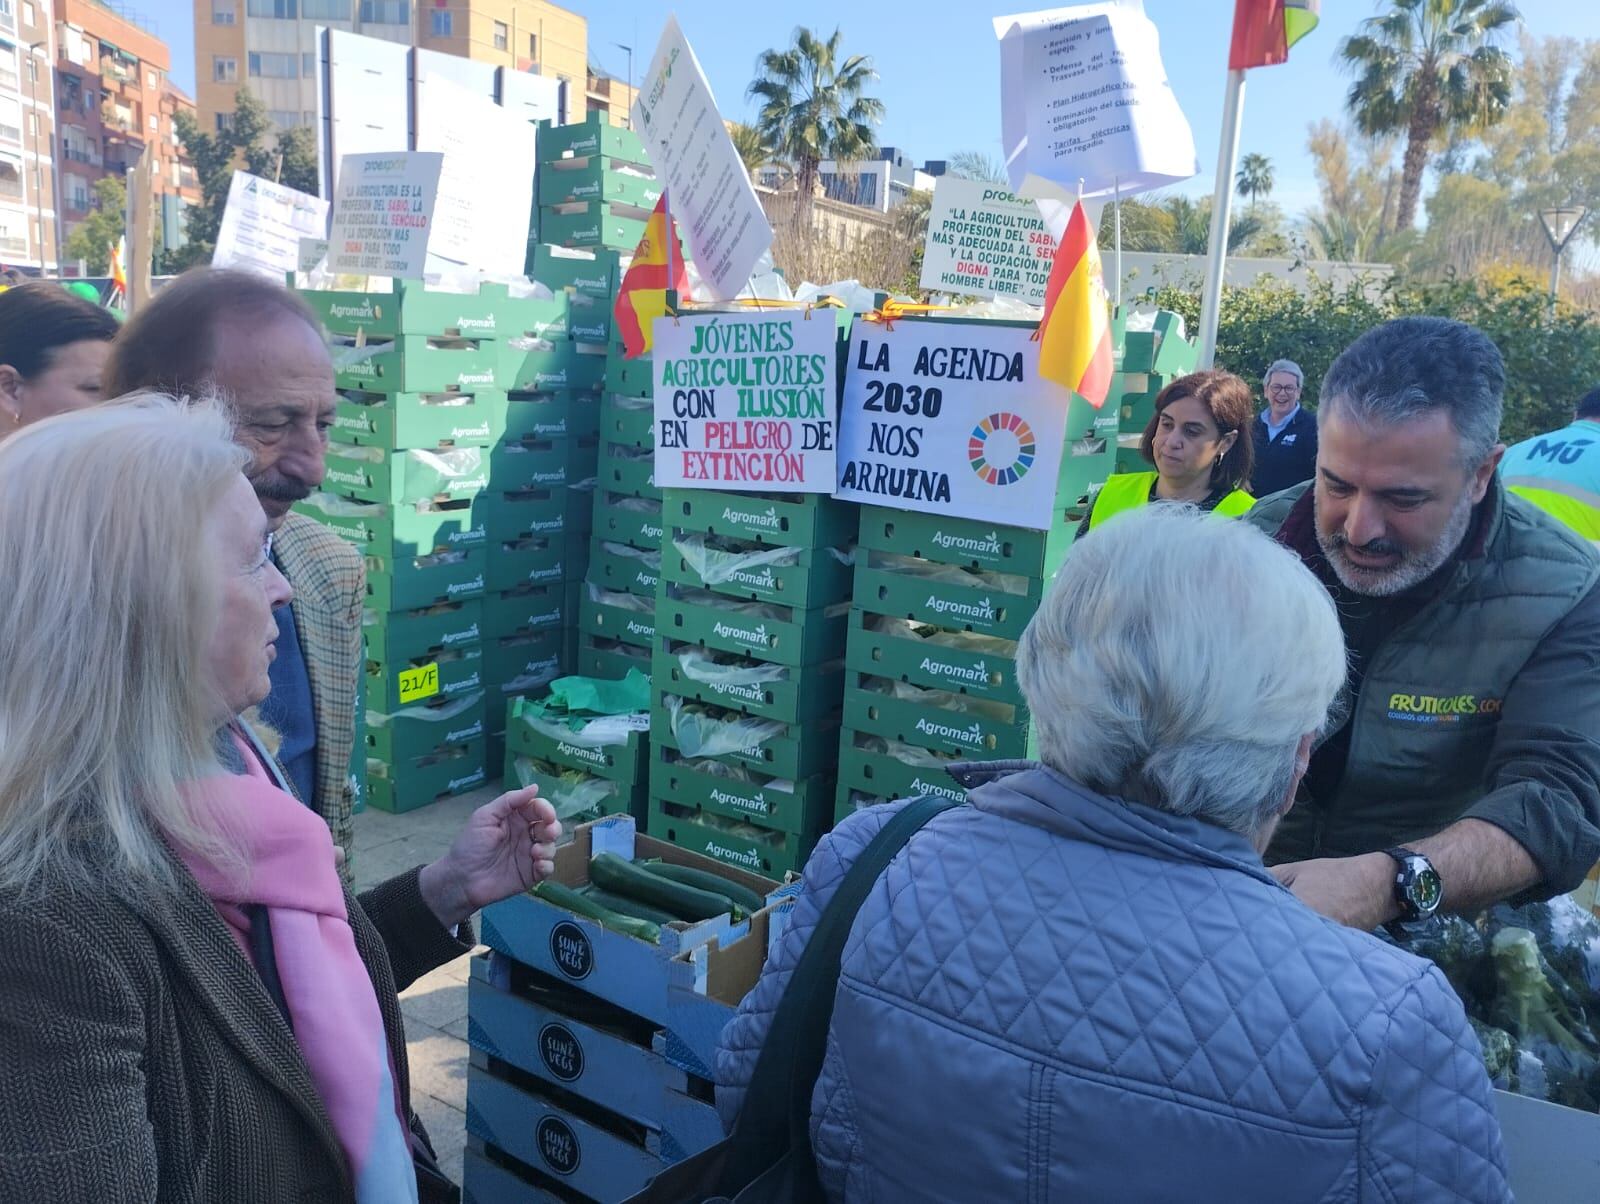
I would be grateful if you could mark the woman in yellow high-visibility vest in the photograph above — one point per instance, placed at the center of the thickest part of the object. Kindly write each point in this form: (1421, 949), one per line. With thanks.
(1199, 442)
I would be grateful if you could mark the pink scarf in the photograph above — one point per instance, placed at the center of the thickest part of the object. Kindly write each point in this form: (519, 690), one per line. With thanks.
(333, 1008)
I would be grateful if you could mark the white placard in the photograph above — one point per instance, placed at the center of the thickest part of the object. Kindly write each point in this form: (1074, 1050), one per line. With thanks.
(263, 224)
(1084, 96)
(746, 402)
(707, 185)
(952, 416)
(313, 251)
(382, 212)
(984, 241)
(486, 185)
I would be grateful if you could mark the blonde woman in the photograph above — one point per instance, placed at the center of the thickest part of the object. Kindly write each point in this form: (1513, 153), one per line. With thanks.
(191, 1008)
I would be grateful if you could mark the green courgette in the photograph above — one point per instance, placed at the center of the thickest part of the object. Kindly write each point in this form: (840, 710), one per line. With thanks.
(624, 906)
(568, 899)
(613, 873)
(705, 880)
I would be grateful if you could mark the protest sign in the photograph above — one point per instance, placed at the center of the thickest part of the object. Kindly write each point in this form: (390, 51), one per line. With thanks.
(986, 242)
(313, 253)
(712, 198)
(745, 402)
(952, 415)
(382, 212)
(263, 224)
(1084, 96)
(486, 184)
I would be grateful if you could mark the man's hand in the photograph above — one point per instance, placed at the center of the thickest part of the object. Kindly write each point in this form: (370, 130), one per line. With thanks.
(506, 846)
(1357, 891)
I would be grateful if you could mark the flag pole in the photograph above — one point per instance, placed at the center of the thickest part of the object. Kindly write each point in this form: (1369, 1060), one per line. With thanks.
(1221, 203)
(1116, 245)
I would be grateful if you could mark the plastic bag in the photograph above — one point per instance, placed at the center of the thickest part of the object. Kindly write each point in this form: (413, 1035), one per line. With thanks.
(622, 601)
(908, 754)
(960, 641)
(962, 704)
(949, 574)
(442, 714)
(596, 696)
(723, 669)
(698, 732)
(650, 557)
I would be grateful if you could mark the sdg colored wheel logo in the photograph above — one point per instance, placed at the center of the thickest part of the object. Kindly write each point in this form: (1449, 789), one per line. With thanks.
(1001, 449)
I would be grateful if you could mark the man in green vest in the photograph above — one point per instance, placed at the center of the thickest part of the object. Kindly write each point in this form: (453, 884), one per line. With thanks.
(1466, 761)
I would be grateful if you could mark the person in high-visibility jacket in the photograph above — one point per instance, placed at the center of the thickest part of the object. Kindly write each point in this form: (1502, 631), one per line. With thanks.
(1560, 472)
(1199, 443)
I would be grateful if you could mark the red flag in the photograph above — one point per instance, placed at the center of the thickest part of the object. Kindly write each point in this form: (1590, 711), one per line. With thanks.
(1075, 333)
(657, 266)
(1263, 30)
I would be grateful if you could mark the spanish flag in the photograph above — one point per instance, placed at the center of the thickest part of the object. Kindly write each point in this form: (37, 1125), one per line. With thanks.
(1075, 334)
(1263, 30)
(119, 266)
(657, 267)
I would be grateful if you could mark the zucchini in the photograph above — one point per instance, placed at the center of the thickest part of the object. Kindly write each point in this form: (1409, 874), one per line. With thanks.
(625, 906)
(705, 880)
(610, 872)
(568, 899)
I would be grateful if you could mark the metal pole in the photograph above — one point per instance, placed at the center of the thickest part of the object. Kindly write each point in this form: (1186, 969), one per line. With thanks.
(1555, 276)
(1221, 203)
(38, 168)
(1116, 246)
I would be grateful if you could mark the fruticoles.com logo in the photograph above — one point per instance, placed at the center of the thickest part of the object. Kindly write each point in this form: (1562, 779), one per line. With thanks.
(1001, 449)
(1439, 709)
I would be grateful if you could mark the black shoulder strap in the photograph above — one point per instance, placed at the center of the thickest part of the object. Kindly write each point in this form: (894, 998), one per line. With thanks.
(775, 1119)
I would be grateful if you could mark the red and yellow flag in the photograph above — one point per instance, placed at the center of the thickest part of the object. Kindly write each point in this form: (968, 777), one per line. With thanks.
(119, 267)
(657, 266)
(1075, 334)
(1263, 30)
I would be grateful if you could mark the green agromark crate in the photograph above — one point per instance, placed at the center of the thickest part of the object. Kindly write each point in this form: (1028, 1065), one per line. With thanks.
(544, 510)
(406, 476)
(923, 662)
(803, 637)
(420, 731)
(805, 578)
(627, 421)
(397, 639)
(520, 664)
(610, 660)
(771, 855)
(619, 761)
(417, 364)
(628, 520)
(408, 786)
(591, 320)
(615, 228)
(529, 608)
(410, 309)
(441, 675)
(766, 802)
(798, 750)
(534, 560)
(629, 378)
(961, 541)
(538, 318)
(550, 366)
(615, 566)
(394, 532)
(552, 415)
(406, 420)
(595, 178)
(798, 695)
(977, 736)
(590, 137)
(627, 470)
(603, 621)
(593, 273)
(413, 583)
(880, 775)
(540, 463)
(953, 607)
(787, 520)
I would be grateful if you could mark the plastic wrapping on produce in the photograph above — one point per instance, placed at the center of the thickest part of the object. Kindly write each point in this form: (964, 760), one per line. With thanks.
(433, 560)
(635, 505)
(332, 503)
(699, 733)
(344, 356)
(720, 669)
(571, 792)
(599, 732)
(443, 714)
(852, 294)
(719, 769)
(753, 610)
(650, 557)
(948, 574)
(960, 641)
(908, 754)
(621, 402)
(525, 342)
(622, 601)
(601, 696)
(963, 704)
(714, 562)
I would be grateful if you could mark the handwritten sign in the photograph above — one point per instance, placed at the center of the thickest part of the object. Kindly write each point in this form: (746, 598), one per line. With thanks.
(419, 683)
(263, 224)
(712, 198)
(984, 241)
(382, 213)
(953, 416)
(1084, 96)
(745, 402)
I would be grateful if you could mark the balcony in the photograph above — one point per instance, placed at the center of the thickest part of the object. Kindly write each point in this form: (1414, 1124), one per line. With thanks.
(10, 133)
(10, 188)
(599, 87)
(74, 154)
(111, 69)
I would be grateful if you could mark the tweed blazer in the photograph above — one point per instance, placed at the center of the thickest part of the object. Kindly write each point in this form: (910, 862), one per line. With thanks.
(145, 1061)
(330, 586)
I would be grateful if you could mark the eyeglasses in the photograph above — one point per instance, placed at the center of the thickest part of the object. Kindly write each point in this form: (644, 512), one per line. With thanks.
(266, 554)
(1282, 388)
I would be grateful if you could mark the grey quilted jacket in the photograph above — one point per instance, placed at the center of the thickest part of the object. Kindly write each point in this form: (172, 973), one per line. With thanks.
(1052, 996)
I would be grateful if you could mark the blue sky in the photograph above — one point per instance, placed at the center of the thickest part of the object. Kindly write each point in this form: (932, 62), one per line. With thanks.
(938, 64)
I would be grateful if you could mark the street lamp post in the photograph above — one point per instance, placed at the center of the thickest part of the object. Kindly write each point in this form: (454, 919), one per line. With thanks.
(1560, 223)
(629, 49)
(38, 168)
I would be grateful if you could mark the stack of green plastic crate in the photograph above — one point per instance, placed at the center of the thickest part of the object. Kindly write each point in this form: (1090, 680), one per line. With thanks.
(747, 674)
(419, 413)
(1147, 361)
(587, 765)
(596, 187)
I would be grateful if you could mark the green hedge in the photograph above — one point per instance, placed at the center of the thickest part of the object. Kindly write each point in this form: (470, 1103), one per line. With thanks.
(1552, 354)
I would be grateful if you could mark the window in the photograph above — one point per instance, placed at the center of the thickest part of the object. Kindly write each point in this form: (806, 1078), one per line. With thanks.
(283, 10)
(325, 10)
(30, 15)
(152, 80)
(385, 12)
(33, 123)
(224, 12)
(33, 70)
(284, 119)
(224, 122)
(308, 64)
(6, 10)
(155, 124)
(502, 36)
(441, 25)
(264, 65)
(533, 47)
(224, 70)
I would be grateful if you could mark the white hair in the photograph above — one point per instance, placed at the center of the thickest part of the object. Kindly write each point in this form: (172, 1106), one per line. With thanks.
(1286, 366)
(1177, 660)
(105, 709)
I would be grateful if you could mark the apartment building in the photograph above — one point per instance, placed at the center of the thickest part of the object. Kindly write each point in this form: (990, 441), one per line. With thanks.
(113, 99)
(270, 47)
(880, 182)
(29, 231)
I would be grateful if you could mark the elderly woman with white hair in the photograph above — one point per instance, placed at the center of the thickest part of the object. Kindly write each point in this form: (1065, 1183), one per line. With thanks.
(1284, 435)
(192, 1008)
(1083, 984)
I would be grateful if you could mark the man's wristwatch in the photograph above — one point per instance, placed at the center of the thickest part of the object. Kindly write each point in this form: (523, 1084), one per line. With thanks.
(1418, 888)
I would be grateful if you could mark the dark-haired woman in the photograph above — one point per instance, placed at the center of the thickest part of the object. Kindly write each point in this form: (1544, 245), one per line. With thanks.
(53, 348)
(1198, 441)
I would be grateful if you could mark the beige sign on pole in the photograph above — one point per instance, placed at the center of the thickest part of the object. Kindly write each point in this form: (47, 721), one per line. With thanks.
(141, 230)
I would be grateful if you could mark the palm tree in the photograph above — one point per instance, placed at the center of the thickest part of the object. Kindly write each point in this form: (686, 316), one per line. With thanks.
(1429, 68)
(813, 108)
(1255, 178)
(975, 165)
(751, 146)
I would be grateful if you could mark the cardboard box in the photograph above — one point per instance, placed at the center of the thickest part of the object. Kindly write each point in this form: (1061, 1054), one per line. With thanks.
(547, 318)
(771, 854)
(546, 510)
(934, 666)
(629, 378)
(597, 178)
(405, 420)
(420, 730)
(394, 639)
(540, 463)
(619, 567)
(627, 470)
(537, 560)
(602, 796)
(761, 801)
(489, 1176)
(398, 530)
(794, 751)
(804, 578)
(597, 656)
(591, 273)
(406, 476)
(560, 414)
(591, 320)
(882, 777)
(603, 620)
(594, 135)
(414, 363)
(414, 784)
(971, 735)
(962, 541)
(620, 761)
(527, 609)
(812, 692)
(883, 591)
(411, 309)
(613, 227)
(802, 637)
(1552, 1153)
(622, 519)
(548, 366)
(519, 664)
(627, 421)
(389, 687)
(803, 520)
(414, 583)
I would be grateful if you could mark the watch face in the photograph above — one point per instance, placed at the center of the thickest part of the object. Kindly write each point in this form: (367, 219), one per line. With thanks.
(1425, 890)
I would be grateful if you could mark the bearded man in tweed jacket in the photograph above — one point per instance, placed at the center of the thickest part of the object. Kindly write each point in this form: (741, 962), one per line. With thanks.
(254, 343)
